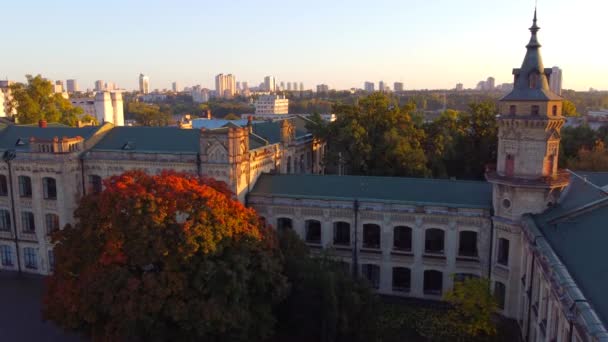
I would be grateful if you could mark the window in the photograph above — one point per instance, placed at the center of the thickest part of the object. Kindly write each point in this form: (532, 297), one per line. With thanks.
(30, 257)
(433, 242)
(509, 165)
(27, 222)
(535, 110)
(50, 188)
(371, 236)
(503, 252)
(342, 233)
(51, 223)
(5, 220)
(313, 231)
(51, 261)
(401, 279)
(554, 110)
(499, 294)
(402, 238)
(433, 282)
(25, 186)
(6, 255)
(95, 184)
(3, 186)
(371, 272)
(468, 244)
(512, 109)
(284, 223)
(533, 80)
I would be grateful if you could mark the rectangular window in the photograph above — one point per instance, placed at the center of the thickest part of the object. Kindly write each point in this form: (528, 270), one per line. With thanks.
(468, 244)
(52, 223)
(27, 222)
(371, 272)
(3, 186)
(402, 238)
(371, 236)
(535, 110)
(342, 233)
(5, 220)
(30, 257)
(25, 186)
(313, 231)
(49, 187)
(401, 279)
(95, 185)
(503, 252)
(6, 255)
(500, 294)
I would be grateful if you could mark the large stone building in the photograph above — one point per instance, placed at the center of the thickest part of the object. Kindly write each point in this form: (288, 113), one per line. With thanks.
(271, 104)
(105, 107)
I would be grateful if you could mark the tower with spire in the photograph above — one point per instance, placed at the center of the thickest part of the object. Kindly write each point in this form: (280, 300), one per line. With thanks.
(526, 178)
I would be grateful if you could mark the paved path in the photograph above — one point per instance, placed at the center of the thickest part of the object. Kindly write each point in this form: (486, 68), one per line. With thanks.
(20, 311)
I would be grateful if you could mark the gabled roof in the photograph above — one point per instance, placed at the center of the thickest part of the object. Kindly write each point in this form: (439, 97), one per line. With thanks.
(150, 139)
(576, 228)
(17, 137)
(414, 191)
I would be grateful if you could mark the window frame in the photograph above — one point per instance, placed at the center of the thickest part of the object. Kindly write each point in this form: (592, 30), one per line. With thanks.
(30, 258)
(5, 220)
(428, 242)
(6, 255)
(408, 282)
(282, 223)
(373, 232)
(371, 272)
(405, 231)
(28, 220)
(340, 228)
(3, 186)
(427, 279)
(502, 255)
(307, 231)
(25, 186)
(49, 188)
(461, 249)
(54, 221)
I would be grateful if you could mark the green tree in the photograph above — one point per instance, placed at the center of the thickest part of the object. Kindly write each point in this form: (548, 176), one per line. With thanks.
(149, 114)
(37, 101)
(472, 309)
(569, 109)
(374, 137)
(170, 257)
(595, 159)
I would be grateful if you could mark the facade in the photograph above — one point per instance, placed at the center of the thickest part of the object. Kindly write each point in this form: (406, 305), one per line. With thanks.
(105, 107)
(271, 104)
(72, 86)
(45, 170)
(369, 87)
(398, 86)
(555, 82)
(144, 84)
(225, 85)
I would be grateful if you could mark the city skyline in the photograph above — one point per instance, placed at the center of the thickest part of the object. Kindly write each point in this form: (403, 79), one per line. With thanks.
(424, 46)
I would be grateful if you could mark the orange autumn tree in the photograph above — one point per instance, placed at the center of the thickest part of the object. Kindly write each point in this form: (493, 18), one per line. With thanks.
(166, 257)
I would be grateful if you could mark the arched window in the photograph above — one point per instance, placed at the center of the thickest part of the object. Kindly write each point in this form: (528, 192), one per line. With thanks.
(554, 110)
(512, 109)
(371, 235)
(3, 186)
(468, 244)
(433, 241)
(284, 223)
(533, 79)
(313, 231)
(51, 223)
(49, 187)
(95, 184)
(500, 292)
(5, 220)
(371, 272)
(25, 186)
(342, 233)
(402, 238)
(433, 282)
(401, 279)
(27, 222)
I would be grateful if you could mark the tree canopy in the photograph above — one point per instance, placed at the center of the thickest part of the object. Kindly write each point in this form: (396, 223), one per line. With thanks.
(149, 114)
(166, 257)
(37, 101)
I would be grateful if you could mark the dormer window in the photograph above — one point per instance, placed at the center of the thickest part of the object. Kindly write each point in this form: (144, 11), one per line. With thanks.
(512, 109)
(533, 80)
(129, 145)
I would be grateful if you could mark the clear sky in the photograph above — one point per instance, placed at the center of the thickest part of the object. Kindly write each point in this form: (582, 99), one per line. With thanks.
(342, 43)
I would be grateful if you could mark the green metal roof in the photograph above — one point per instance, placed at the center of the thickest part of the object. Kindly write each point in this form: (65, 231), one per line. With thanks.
(577, 231)
(17, 137)
(150, 139)
(271, 130)
(415, 191)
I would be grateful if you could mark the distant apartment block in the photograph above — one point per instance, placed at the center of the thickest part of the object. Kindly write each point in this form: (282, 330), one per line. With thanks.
(459, 87)
(144, 84)
(99, 85)
(270, 83)
(398, 86)
(72, 86)
(369, 87)
(271, 104)
(555, 80)
(200, 95)
(105, 107)
(225, 85)
(322, 88)
(175, 87)
(5, 98)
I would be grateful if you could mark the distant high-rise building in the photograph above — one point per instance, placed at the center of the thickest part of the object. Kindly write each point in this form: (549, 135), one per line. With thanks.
(99, 85)
(110, 86)
(459, 87)
(272, 104)
(175, 87)
(225, 85)
(301, 86)
(555, 80)
(369, 87)
(288, 86)
(72, 86)
(244, 86)
(144, 84)
(381, 86)
(398, 86)
(5, 98)
(58, 87)
(282, 85)
(269, 83)
(238, 86)
(490, 83)
(322, 88)
(199, 95)
(481, 85)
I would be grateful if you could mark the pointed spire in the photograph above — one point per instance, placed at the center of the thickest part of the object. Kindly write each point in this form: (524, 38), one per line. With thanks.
(534, 29)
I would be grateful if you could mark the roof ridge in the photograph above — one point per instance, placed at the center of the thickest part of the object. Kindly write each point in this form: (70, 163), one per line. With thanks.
(384, 177)
(583, 209)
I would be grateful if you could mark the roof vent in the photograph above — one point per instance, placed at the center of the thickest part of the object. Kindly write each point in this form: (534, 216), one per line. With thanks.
(129, 145)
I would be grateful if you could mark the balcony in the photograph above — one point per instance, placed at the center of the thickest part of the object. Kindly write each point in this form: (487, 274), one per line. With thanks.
(561, 179)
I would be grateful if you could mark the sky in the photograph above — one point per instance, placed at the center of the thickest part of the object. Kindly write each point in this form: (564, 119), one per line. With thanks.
(426, 44)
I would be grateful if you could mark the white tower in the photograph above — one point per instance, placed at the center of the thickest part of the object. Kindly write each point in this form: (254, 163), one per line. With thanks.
(118, 118)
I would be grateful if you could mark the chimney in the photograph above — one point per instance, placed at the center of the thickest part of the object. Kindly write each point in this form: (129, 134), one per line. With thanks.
(42, 123)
